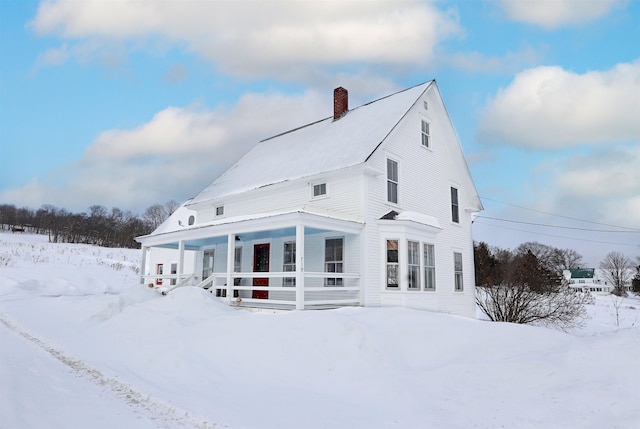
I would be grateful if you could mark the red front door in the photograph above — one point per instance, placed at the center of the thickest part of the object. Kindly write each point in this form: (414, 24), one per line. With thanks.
(260, 265)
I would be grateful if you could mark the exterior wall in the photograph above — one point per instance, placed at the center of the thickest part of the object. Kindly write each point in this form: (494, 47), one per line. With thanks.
(425, 176)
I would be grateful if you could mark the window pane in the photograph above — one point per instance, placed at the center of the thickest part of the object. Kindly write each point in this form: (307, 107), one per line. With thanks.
(457, 263)
(392, 170)
(333, 260)
(413, 264)
(392, 192)
(429, 267)
(320, 189)
(425, 133)
(392, 275)
(454, 205)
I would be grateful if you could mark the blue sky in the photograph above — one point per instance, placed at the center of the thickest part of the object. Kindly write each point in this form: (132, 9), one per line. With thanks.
(129, 103)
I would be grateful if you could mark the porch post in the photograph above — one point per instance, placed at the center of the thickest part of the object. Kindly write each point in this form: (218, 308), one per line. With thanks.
(180, 261)
(231, 247)
(143, 264)
(299, 266)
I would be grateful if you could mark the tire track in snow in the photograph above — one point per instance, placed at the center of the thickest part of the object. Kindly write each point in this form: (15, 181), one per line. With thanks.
(167, 416)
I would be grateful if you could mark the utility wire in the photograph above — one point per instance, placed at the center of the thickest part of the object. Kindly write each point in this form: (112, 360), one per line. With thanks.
(558, 236)
(557, 226)
(555, 214)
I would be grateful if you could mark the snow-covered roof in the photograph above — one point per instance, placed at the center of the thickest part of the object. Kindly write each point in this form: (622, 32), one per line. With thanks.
(322, 146)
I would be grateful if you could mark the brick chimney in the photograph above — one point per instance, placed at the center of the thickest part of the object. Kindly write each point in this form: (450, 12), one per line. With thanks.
(340, 103)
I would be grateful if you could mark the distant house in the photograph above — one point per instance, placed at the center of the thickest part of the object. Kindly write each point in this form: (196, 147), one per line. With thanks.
(369, 207)
(590, 279)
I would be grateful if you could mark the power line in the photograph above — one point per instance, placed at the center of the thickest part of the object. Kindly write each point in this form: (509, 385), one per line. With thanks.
(558, 226)
(559, 236)
(558, 215)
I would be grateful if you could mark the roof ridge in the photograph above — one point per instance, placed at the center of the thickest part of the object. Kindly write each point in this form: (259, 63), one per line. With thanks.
(350, 110)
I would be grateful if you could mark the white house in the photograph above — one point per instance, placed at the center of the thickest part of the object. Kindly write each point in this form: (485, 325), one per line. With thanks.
(593, 280)
(371, 207)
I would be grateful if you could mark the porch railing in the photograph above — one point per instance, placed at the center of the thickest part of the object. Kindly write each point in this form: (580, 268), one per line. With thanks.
(320, 288)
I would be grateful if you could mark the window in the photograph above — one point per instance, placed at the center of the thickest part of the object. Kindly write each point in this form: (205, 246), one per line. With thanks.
(207, 264)
(319, 190)
(237, 267)
(455, 216)
(237, 259)
(457, 268)
(159, 270)
(289, 262)
(192, 219)
(392, 264)
(174, 271)
(333, 260)
(219, 210)
(429, 267)
(392, 181)
(413, 264)
(426, 134)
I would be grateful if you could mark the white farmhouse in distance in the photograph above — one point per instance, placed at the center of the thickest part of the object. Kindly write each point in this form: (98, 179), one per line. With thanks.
(368, 207)
(592, 280)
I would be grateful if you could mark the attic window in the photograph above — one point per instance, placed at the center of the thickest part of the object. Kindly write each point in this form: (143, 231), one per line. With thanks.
(392, 181)
(426, 134)
(192, 219)
(319, 190)
(426, 106)
(219, 210)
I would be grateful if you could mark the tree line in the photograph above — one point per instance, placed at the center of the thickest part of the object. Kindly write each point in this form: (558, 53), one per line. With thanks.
(99, 226)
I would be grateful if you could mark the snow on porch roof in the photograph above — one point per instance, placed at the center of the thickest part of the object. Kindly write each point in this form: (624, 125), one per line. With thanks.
(322, 146)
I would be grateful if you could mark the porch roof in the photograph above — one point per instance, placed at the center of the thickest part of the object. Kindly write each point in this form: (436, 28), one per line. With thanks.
(251, 227)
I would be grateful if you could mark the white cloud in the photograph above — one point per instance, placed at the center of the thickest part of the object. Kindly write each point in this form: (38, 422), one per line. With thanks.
(251, 38)
(52, 57)
(174, 155)
(476, 62)
(556, 13)
(605, 184)
(550, 108)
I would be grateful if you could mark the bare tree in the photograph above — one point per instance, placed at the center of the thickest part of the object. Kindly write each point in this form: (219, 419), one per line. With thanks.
(566, 259)
(617, 269)
(154, 215)
(517, 303)
(527, 290)
(171, 206)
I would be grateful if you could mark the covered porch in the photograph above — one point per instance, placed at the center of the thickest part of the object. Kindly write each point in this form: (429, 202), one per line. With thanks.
(296, 260)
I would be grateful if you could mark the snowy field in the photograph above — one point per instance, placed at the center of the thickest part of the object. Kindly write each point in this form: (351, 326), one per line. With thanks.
(83, 345)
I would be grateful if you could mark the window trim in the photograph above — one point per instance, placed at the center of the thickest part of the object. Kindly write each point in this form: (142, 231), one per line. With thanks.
(337, 281)
(458, 274)
(288, 281)
(455, 205)
(173, 270)
(322, 195)
(413, 265)
(425, 135)
(426, 266)
(392, 264)
(159, 272)
(393, 181)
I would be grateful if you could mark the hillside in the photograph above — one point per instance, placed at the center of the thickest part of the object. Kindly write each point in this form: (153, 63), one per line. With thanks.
(84, 345)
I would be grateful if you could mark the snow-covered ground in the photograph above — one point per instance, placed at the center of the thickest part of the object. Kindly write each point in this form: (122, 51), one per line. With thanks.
(83, 345)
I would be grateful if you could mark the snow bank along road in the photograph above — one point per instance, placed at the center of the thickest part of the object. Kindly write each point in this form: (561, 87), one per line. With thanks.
(46, 374)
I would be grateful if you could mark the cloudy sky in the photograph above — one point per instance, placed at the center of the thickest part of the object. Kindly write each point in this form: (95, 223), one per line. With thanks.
(127, 103)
